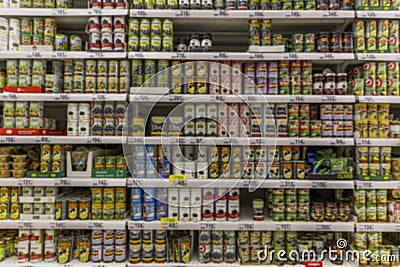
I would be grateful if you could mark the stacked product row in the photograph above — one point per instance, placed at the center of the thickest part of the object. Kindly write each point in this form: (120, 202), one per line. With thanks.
(374, 121)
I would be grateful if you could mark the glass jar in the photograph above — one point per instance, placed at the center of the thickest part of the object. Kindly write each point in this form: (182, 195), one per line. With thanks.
(330, 84)
(318, 84)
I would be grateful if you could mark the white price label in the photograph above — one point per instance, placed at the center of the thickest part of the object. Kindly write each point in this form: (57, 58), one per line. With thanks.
(367, 99)
(287, 184)
(179, 55)
(43, 140)
(259, 14)
(319, 184)
(176, 98)
(178, 141)
(366, 227)
(293, 56)
(170, 225)
(332, 13)
(141, 98)
(101, 182)
(371, 14)
(130, 182)
(297, 98)
(141, 13)
(60, 12)
(95, 140)
(62, 97)
(138, 225)
(329, 98)
(11, 96)
(246, 226)
(293, 14)
(297, 141)
(338, 142)
(326, 56)
(283, 227)
(364, 185)
(182, 13)
(257, 141)
(62, 182)
(9, 140)
(220, 98)
(364, 142)
(97, 12)
(207, 226)
(96, 225)
(323, 227)
(99, 97)
(138, 55)
(59, 54)
(25, 182)
(221, 13)
(25, 225)
(250, 98)
(36, 54)
(58, 225)
(258, 56)
(136, 140)
(222, 56)
(96, 55)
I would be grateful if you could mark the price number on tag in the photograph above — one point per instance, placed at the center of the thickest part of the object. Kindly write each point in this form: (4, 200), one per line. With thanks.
(25, 182)
(96, 55)
(36, 54)
(101, 182)
(223, 55)
(138, 55)
(95, 140)
(365, 185)
(323, 227)
(283, 227)
(136, 140)
(332, 13)
(367, 99)
(366, 228)
(179, 180)
(25, 225)
(287, 184)
(11, 96)
(258, 56)
(293, 14)
(297, 98)
(251, 98)
(221, 13)
(371, 14)
(326, 56)
(180, 55)
(43, 140)
(9, 140)
(220, 98)
(207, 226)
(176, 98)
(246, 226)
(183, 13)
(364, 142)
(97, 11)
(60, 12)
(370, 56)
(137, 225)
(338, 142)
(297, 141)
(60, 54)
(65, 182)
(63, 97)
(169, 223)
(100, 97)
(58, 225)
(96, 225)
(293, 56)
(319, 184)
(141, 13)
(259, 14)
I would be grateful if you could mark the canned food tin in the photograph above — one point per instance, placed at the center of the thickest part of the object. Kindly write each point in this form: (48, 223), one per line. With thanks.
(107, 41)
(95, 41)
(119, 42)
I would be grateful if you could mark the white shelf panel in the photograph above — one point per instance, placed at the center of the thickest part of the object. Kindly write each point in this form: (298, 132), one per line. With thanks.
(242, 14)
(244, 98)
(379, 99)
(378, 56)
(225, 183)
(13, 261)
(249, 225)
(241, 56)
(393, 142)
(37, 199)
(378, 14)
(377, 184)
(377, 227)
(82, 182)
(77, 224)
(12, 139)
(62, 97)
(69, 12)
(242, 141)
(62, 55)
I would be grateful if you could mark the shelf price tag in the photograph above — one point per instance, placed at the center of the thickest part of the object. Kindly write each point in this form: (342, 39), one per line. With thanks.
(9, 140)
(176, 98)
(96, 12)
(169, 223)
(371, 14)
(246, 226)
(326, 56)
(137, 225)
(365, 227)
(293, 14)
(364, 185)
(332, 13)
(94, 140)
(337, 142)
(283, 227)
(138, 55)
(363, 142)
(62, 182)
(367, 99)
(207, 226)
(140, 13)
(96, 54)
(329, 98)
(297, 98)
(60, 12)
(58, 225)
(298, 141)
(323, 227)
(257, 141)
(101, 182)
(287, 184)
(136, 140)
(180, 55)
(62, 97)
(25, 225)
(25, 182)
(99, 97)
(10, 96)
(182, 13)
(96, 225)
(178, 141)
(319, 184)
(141, 98)
(221, 13)
(222, 55)
(35, 54)
(43, 140)
(179, 180)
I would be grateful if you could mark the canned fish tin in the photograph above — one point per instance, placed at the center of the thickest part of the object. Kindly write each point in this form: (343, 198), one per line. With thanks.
(119, 42)
(50, 26)
(120, 253)
(258, 209)
(95, 41)
(97, 253)
(107, 41)
(145, 27)
(26, 25)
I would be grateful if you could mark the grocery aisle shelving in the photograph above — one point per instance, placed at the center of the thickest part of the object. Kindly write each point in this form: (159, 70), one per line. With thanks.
(66, 181)
(377, 184)
(377, 227)
(378, 56)
(61, 55)
(12, 261)
(64, 12)
(65, 224)
(61, 97)
(378, 14)
(393, 142)
(53, 139)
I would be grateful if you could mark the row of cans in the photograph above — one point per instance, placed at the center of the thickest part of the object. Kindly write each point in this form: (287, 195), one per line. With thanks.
(95, 127)
(151, 27)
(107, 24)
(103, 4)
(100, 68)
(107, 41)
(382, 155)
(325, 42)
(244, 4)
(38, 4)
(10, 34)
(373, 129)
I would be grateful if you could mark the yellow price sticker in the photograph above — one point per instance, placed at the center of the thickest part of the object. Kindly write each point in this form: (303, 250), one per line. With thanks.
(169, 223)
(178, 180)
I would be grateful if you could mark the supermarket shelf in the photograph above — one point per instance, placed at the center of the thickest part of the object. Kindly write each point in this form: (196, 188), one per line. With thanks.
(378, 56)
(249, 225)
(393, 142)
(244, 98)
(227, 183)
(61, 139)
(81, 182)
(242, 141)
(13, 261)
(378, 14)
(377, 227)
(241, 56)
(379, 99)
(377, 184)
(62, 97)
(62, 55)
(77, 224)
(69, 12)
(243, 14)
(37, 199)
